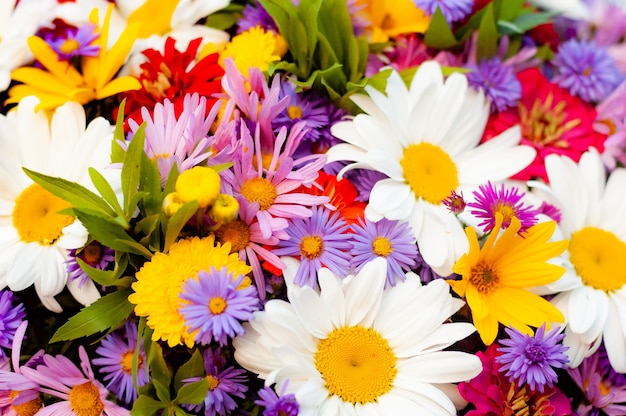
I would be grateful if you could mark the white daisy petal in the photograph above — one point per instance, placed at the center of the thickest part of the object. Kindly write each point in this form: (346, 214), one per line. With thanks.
(615, 340)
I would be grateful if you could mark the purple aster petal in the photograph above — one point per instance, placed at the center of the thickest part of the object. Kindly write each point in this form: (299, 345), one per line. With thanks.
(498, 81)
(94, 254)
(453, 10)
(12, 315)
(75, 42)
(254, 15)
(277, 405)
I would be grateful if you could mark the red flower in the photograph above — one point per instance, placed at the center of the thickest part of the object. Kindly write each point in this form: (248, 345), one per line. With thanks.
(342, 194)
(552, 121)
(168, 76)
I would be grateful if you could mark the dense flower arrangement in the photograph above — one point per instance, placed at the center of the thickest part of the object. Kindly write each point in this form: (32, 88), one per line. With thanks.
(333, 207)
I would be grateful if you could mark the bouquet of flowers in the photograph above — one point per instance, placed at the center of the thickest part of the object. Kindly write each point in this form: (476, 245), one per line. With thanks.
(333, 207)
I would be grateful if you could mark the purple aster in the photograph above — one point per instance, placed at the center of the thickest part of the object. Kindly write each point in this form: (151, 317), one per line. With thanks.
(215, 305)
(277, 405)
(586, 69)
(302, 106)
(600, 396)
(12, 314)
(115, 361)
(386, 238)
(224, 384)
(453, 10)
(94, 254)
(319, 241)
(498, 81)
(364, 180)
(615, 378)
(490, 200)
(532, 360)
(75, 42)
(255, 15)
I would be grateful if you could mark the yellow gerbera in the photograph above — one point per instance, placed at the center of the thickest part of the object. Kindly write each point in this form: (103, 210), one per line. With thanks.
(61, 82)
(253, 48)
(495, 279)
(160, 282)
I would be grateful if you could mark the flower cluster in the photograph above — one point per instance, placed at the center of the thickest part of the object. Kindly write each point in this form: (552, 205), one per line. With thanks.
(333, 207)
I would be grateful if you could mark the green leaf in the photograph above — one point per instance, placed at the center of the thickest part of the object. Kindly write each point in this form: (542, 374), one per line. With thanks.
(155, 362)
(75, 194)
(527, 21)
(117, 151)
(107, 192)
(194, 367)
(512, 10)
(106, 313)
(104, 277)
(193, 393)
(487, 45)
(131, 171)
(146, 406)
(150, 185)
(162, 390)
(221, 21)
(439, 35)
(177, 222)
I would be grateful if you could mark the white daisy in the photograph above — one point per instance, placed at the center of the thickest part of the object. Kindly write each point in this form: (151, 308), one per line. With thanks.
(592, 211)
(356, 349)
(17, 23)
(33, 237)
(425, 139)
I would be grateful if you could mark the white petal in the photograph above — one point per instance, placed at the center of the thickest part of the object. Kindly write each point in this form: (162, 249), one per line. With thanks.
(615, 340)
(364, 293)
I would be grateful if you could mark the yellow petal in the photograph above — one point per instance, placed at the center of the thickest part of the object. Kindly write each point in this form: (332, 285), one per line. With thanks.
(487, 328)
(154, 23)
(117, 55)
(50, 60)
(118, 85)
(41, 80)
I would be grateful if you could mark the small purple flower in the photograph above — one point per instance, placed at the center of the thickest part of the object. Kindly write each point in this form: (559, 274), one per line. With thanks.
(453, 10)
(76, 42)
(532, 359)
(586, 70)
(12, 315)
(94, 254)
(490, 200)
(364, 180)
(390, 239)
(455, 203)
(302, 106)
(215, 305)
(277, 405)
(550, 210)
(115, 361)
(319, 241)
(255, 15)
(498, 81)
(604, 364)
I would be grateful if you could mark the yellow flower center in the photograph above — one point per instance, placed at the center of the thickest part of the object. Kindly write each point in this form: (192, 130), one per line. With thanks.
(236, 232)
(213, 382)
(544, 124)
(311, 246)
(127, 362)
(259, 190)
(598, 257)
(35, 216)
(69, 46)
(85, 400)
(381, 246)
(508, 213)
(29, 408)
(430, 172)
(217, 305)
(293, 111)
(484, 278)
(356, 363)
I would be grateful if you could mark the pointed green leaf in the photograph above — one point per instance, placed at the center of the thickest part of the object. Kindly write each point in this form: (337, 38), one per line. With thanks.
(194, 367)
(193, 393)
(131, 170)
(487, 45)
(108, 312)
(117, 151)
(146, 406)
(156, 363)
(439, 35)
(75, 194)
(162, 390)
(177, 222)
(150, 184)
(106, 190)
(104, 277)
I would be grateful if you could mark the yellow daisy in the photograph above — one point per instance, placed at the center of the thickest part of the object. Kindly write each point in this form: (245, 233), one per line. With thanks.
(60, 82)
(254, 48)
(160, 282)
(496, 279)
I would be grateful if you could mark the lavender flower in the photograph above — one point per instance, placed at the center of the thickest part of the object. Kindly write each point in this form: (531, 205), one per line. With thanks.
(302, 106)
(277, 405)
(490, 200)
(498, 81)
(364, 180)
(12, 314)
(586, 69)
(75, 42)
(532, 359)
(217, 304)
(453, 10)
(254, 15)
(386, 238)
(319, 241)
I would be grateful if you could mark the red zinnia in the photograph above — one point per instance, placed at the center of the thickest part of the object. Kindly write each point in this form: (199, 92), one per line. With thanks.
(342, 194)
(172, 75)
(552, 121)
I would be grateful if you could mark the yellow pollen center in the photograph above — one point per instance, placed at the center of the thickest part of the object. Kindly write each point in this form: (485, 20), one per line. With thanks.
(259, 190)
(430, 172)
(544, 123)
(484, 278)
(293, 111)
(217, 305)
(85, 400)
(508, 213)
(213, 382)
(598, 257)
(29, 408)
(237, 233)
(69, 46)
(127, 362)
(356, 364)
(311, 246)
(381, 246)
(35, 216)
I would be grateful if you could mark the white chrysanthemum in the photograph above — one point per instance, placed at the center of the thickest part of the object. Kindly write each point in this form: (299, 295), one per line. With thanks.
(425, 139)
(33, 238)
(592, 219)
(356, 349)
(17, 23)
